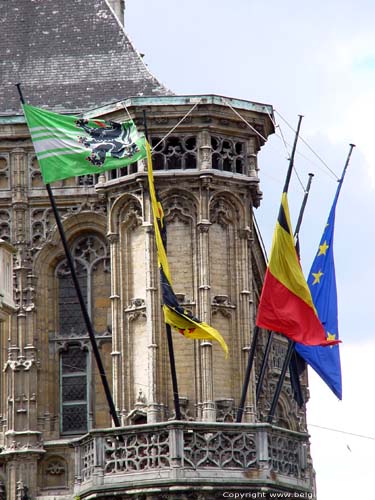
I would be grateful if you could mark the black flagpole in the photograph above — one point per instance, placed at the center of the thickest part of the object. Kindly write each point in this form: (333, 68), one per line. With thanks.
(291, 343)
(249, 366)
(280, 382)
(293, 367)
(297, 364)
(256, 330)
(263, 367)
(172, 362)
(86, 317)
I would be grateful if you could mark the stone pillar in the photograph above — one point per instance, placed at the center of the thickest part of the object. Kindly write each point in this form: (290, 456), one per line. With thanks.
(153, 314)
(117, 375)
(204, 310)
(205, 150)
(247, 316)
(23, 443)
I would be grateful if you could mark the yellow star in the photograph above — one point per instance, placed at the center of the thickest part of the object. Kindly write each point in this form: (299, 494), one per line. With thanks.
(323, 248)
(331, 336)
(317, 277)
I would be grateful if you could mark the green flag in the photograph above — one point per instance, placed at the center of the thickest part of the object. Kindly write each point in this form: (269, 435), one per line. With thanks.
(67, 146)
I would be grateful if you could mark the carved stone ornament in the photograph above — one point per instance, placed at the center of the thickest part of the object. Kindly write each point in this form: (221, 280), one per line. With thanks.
(179, 207)
(222, 212)
(204, 226)
(55, 468)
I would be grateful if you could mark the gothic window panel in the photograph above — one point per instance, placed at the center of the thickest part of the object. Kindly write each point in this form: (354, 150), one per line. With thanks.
(87, 180)
(4, 172)
(71, 321)
(174, 153)
(91, 260)
(74, 390)
(5, 224)
(36, 180)
(115, 173)
(228, 155)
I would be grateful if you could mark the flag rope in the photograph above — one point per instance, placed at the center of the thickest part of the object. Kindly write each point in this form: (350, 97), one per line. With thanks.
(243, 119)
(173, 128)
(309, 147)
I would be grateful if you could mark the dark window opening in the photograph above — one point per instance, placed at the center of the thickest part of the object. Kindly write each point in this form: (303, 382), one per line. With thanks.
(74, 398)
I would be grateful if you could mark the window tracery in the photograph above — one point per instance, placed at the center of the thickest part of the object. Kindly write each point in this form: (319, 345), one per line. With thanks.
(91, 258)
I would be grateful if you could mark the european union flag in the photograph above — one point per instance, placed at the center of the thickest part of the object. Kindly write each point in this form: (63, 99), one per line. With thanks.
(322, 283)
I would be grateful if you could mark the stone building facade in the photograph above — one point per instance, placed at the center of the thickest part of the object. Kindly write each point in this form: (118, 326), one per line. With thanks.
(56, 438)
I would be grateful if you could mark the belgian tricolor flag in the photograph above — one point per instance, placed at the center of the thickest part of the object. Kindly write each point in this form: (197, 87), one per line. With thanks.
(286, 304)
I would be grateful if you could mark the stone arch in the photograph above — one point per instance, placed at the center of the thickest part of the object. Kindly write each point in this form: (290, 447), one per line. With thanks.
(120, 206)
(226, 207)
(49, 342)
(283, 413)
(181, 213)
(128, 270)
(179, 204)
(47, 259)
(52, 251)
(227, 269)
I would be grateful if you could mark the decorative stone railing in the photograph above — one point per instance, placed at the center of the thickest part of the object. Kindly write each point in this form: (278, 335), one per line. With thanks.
(219, 455)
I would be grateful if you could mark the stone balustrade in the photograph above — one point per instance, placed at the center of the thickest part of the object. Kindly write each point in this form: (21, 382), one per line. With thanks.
(219, 456)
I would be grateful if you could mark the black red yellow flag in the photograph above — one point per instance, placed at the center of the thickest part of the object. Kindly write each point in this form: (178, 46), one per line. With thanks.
(286, 305)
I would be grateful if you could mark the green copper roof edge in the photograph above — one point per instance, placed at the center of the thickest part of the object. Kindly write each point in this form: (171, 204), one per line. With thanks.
(183, 100)
(12, 119)
(161, 101)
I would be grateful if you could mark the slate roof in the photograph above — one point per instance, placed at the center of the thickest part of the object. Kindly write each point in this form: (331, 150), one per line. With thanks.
(68, 55)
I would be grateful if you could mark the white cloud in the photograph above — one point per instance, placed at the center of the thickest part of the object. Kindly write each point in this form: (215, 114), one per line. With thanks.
(341, 458)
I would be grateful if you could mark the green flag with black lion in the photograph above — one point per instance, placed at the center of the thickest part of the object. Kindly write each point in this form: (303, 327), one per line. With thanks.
(68, 146)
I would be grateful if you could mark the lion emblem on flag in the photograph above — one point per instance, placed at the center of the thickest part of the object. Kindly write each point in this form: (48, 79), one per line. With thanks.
(108, 139)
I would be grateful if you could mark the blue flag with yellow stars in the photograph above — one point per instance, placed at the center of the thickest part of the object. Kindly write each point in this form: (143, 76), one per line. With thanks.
(322, 283)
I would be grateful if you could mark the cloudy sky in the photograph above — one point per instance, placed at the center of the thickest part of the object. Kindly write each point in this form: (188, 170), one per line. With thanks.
(316, 59)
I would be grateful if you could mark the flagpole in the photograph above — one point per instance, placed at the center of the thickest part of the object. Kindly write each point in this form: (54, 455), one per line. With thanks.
(302, 211)
(256, 330)
(86, 317)
(280, 382)
(291, 160)
(293, 368)
(291, 346)
(293, 363)
(172, 363)
(263, 367)
(249, 366)
(324, 361)
(351, 147)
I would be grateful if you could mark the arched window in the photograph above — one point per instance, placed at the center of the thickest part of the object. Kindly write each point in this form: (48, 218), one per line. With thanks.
(90, 254)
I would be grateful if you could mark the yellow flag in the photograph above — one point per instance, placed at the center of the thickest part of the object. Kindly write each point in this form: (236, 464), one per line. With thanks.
(174, 314)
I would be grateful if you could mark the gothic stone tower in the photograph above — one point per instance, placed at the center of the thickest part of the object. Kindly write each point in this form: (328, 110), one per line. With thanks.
(56, 438)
